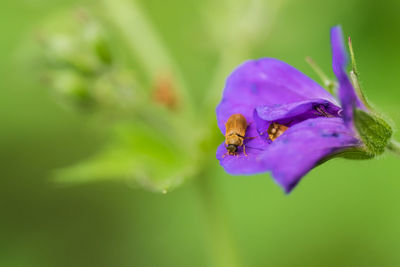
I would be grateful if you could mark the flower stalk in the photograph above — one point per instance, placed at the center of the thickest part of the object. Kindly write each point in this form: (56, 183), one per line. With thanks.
(221, 242)
(328, 83)
(394, 147)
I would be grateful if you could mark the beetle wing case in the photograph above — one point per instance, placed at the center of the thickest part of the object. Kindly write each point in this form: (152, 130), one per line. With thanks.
(236, 124)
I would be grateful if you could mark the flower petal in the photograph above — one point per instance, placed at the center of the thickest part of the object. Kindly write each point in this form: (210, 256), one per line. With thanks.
(308, 109)
(302, 146)
(346, 93)
(265, 81)
(241, 164)
(339, 54)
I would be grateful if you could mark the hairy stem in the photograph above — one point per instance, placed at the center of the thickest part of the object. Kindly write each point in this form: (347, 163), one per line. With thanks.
(394, 147)
(220, 241)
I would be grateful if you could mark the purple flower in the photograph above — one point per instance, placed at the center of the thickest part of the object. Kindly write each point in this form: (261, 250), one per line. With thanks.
(313, 125)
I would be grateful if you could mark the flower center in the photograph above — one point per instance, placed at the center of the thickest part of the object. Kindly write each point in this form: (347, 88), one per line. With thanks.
(276, 120)
(321, 111)
(276, 129)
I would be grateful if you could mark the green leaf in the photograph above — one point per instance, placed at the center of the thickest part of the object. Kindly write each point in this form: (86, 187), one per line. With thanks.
(373, 130)
(139, 155)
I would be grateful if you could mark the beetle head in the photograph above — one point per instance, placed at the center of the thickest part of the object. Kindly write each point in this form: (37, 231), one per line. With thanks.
(235, 140)
(231, 149)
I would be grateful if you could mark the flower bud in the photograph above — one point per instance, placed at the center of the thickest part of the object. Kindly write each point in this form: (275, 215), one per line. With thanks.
(97, 43)
(76, 43)
(71, 89)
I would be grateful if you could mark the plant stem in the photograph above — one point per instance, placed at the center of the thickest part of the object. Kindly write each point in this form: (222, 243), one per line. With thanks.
(146, 44)
(394, 147)
(223, 250)
(328, 84)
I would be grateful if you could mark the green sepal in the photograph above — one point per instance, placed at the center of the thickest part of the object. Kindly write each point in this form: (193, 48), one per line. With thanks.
(355, 153)
(358, 153)
(373, 130)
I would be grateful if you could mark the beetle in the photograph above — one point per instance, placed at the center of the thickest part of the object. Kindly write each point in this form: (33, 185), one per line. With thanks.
(236, 127)
(275, 130)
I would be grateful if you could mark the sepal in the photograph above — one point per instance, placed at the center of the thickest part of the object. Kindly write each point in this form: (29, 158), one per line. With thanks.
(373, 130)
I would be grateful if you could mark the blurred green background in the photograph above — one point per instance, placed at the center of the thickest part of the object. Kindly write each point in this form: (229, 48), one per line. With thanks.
(344, 213)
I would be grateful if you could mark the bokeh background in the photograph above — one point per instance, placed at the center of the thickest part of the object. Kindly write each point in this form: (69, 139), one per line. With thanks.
(344, 213)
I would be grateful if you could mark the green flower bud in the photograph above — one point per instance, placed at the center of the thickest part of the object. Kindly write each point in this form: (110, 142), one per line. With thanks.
(98, 43)
(71, 89)
(79, 44)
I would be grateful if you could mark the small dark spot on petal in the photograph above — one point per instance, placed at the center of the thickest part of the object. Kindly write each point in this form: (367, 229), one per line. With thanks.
(335, 134)
(285, 141)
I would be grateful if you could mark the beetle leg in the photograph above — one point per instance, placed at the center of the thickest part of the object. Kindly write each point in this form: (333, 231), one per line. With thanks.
(266, 130)
(244, 150)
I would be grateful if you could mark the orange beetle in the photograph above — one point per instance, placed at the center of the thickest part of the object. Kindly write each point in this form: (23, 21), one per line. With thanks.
(235, 131)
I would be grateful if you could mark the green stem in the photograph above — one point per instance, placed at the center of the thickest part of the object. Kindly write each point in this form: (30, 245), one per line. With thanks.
(146, 44)
(224, 252)
(394, 147)
(328, 83)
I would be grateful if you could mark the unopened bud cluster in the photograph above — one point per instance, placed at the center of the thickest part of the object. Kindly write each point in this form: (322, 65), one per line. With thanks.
(80, 68)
